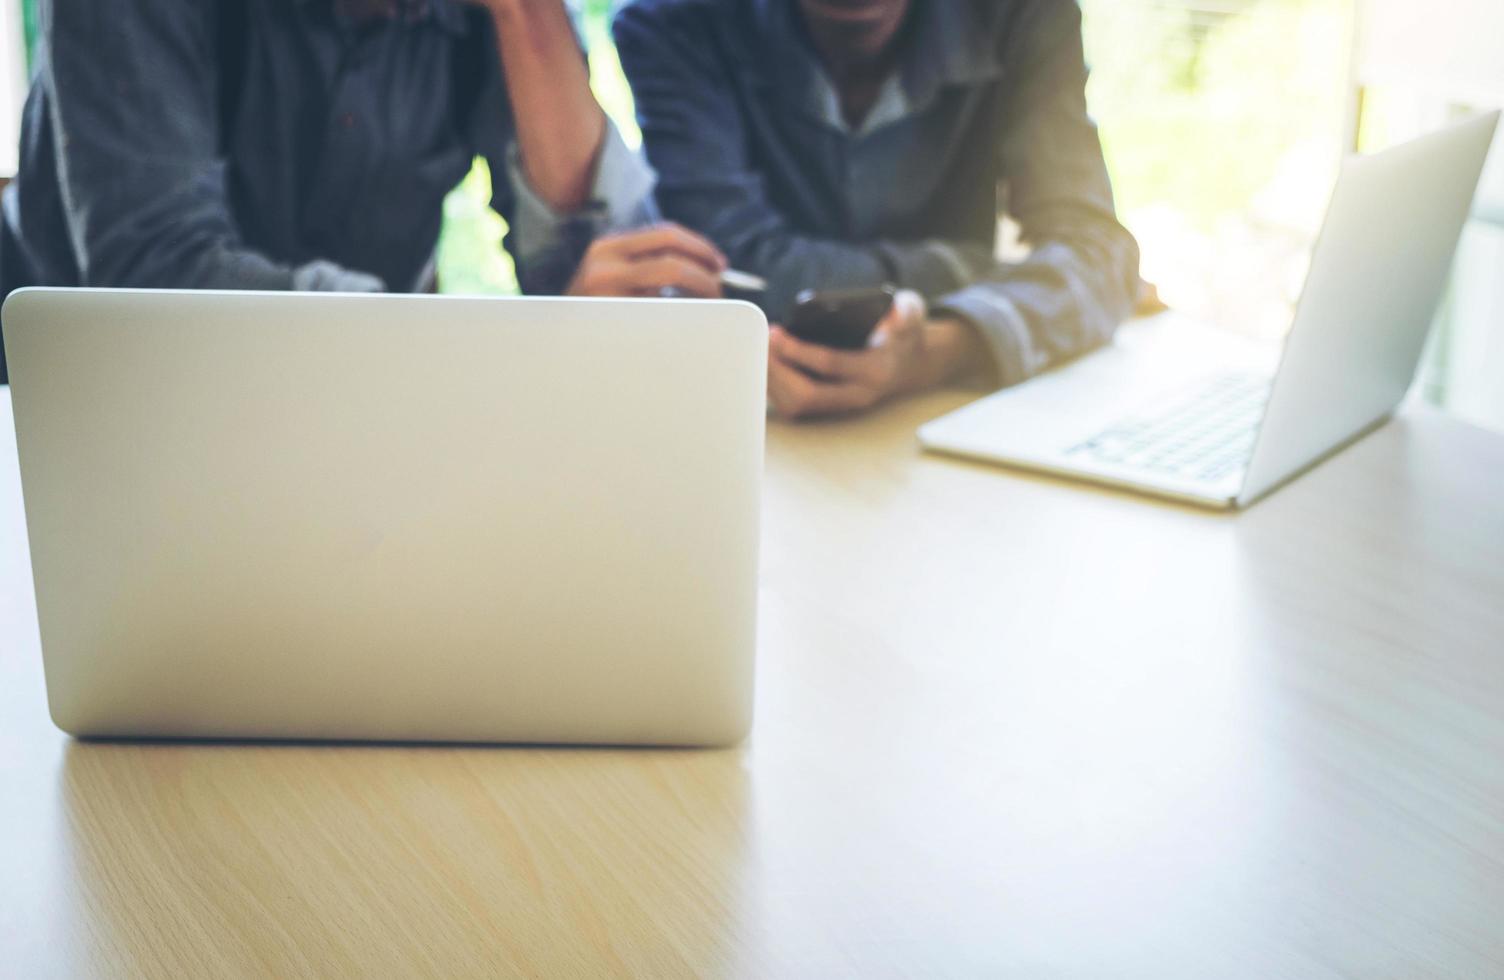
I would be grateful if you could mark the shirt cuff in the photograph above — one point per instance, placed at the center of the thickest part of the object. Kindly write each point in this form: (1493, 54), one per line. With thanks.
(933, 267)
(322, 276)
(621, 197)
(1002, 327)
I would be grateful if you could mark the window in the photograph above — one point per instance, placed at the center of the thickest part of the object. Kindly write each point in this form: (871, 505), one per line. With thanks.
(15, 27)
(1419, 65)
(1221, 121)
(470, 258)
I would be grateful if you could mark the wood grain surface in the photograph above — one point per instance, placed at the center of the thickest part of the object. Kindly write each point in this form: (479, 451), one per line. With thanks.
(1006, 725)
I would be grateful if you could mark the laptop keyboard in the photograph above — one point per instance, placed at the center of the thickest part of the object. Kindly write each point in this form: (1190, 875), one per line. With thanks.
(1204, 434)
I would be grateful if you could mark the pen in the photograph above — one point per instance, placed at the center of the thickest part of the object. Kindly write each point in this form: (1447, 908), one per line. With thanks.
(733, 279)
(744, 282)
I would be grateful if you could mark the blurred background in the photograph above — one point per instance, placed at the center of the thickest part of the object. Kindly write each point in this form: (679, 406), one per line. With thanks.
(1224, 123)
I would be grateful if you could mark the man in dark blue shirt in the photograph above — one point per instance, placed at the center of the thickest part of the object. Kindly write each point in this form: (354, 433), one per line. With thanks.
(309, 144)
(843, 143)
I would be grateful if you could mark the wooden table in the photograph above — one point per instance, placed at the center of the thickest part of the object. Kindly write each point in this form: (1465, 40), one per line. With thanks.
(1004, 724)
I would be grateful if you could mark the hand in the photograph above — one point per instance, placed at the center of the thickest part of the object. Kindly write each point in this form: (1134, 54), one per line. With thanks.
(908, 352)
(648, 263)
(808, 379)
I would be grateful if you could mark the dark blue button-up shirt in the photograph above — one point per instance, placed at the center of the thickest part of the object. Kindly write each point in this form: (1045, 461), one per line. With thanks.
(269, 144)
(985, 116)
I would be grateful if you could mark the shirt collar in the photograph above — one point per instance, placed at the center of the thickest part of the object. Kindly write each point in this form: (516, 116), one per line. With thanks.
(948, 43)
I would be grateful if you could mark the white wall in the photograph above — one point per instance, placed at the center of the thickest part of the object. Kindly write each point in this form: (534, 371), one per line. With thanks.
(1456, 46)
(1426, 58)
(1441, 50)
(12, 82)
(1472, 376)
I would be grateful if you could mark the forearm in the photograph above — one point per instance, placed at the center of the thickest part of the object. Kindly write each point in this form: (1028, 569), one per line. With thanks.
(149, 225)
(219, 267)
(1080, 280)
(182, 241)
(954, 350)
(1065, 299)
(547, 244)
(559, 124)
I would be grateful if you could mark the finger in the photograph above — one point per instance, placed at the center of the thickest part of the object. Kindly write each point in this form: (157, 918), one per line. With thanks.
(795, 394)
(827, 362)
(910, 306)
(825, 398)
(907, 314)
(600, 278)
(606, 248)
(651, 275)
(674, 239)
(786, 387)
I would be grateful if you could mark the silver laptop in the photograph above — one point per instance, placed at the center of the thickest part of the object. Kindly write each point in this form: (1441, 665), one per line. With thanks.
(1220, 429)
(392, 517)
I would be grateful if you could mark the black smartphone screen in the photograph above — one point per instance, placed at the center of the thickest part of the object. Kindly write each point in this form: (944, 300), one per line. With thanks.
(840, 318)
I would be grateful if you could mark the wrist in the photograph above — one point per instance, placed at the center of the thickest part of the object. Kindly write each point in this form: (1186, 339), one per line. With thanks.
(951, 347)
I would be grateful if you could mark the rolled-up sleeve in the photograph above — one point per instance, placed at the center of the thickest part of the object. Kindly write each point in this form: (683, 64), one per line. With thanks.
(1080, 277)
(548, 244)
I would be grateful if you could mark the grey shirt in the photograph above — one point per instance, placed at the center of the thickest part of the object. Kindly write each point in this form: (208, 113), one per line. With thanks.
(269, 144)
(984, 116)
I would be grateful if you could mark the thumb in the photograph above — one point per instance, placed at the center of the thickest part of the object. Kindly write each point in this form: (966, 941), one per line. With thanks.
(905, 317)
(909, 308)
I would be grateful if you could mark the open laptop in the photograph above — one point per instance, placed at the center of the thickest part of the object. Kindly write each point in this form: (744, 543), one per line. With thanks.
(420, 518)
(1220, 429)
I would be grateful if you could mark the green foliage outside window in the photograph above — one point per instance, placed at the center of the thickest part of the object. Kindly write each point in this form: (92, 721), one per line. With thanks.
(1201, 110)
(470, 258)
(29, 25)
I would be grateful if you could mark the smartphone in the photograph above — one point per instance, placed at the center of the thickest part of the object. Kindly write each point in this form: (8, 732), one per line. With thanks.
(840, 318)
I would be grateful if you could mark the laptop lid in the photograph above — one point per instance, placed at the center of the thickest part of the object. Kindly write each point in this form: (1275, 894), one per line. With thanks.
(1376, 278)
(393, 517)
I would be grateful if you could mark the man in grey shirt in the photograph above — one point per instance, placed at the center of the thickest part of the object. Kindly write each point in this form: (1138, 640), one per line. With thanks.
(309, 144)
(843, 143)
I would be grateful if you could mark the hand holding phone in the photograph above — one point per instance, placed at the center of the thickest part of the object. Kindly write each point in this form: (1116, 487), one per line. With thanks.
(839, 318)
